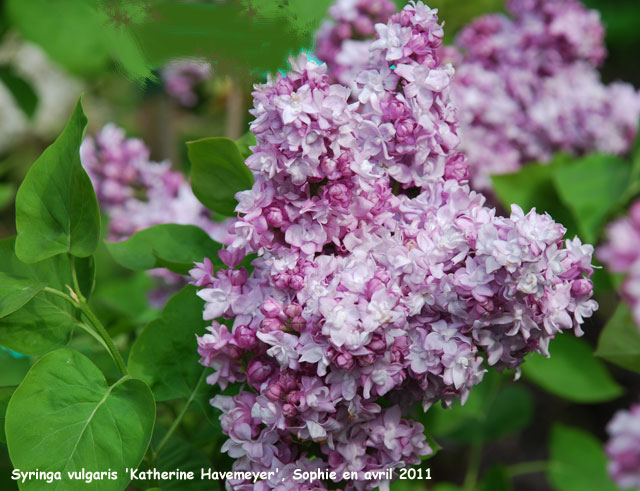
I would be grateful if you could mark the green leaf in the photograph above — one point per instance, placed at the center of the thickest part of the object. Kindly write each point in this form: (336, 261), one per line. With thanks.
(165, 355)
(20, 89)
(496, 479)
(86, 272)
(105, 33)
(490, 413)
(5, 396)
(64, 417)
(572, 372)
(46, 322)
(56, 207)
(16, 292)
(244, 142)
(577, 461)
(590, 188)
(619, 341)
(218, 172)
(126, 296)
(533, 187)
(178, 454)
(168, 245)
(12, 368)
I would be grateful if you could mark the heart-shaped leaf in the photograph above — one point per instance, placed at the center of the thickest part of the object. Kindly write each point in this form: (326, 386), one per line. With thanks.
(218, 172)
(46, 321)
(577, 461)
(572, 372)
(64, 417)
(16, 292)
(619, 341)
(56, 206)
(171, 246)
(165, 354)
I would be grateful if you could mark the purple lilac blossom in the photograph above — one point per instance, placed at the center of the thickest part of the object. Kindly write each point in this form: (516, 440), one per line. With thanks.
(343, 42)
(621, 254)
(623, 448)
(527, 86)
(181, 77)
(379, 273)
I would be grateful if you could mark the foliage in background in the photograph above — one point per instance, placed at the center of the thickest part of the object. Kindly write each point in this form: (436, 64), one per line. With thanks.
(159, 346)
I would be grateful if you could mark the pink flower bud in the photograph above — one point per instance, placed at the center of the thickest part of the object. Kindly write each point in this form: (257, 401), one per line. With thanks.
(271, 308)
(344, 361)
(268, 325)
(274, 392)
(258, 371)
(293, 310)
(289, 410)
(245, 337)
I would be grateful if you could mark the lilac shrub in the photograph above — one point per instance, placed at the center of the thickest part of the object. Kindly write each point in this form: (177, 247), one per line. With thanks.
(181, 77)
(621, 254)
(526, 86)
(623, 448)
(381, 279)
(135, 193)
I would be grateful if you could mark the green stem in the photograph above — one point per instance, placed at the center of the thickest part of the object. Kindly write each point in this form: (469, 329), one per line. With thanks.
(115, 354)
(60, 294)
(93, 334)
(473, 467)
(107, 342)
(76, 283)
(527, 468)
(178, 420)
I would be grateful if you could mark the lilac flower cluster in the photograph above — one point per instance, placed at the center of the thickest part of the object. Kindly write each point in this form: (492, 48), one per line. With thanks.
(181, 77)
(528, 87)
(623, 448)
(381, 279)
(525, 87)
(343, 43)
(621, 254)
(135, 192)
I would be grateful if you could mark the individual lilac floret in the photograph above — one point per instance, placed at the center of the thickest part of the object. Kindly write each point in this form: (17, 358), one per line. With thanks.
(623, 448)
(621, 254)
(527, 87)
(343, 42)
(181, 77)
(381, 280)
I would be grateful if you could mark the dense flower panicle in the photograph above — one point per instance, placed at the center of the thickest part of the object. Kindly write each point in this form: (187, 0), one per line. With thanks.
(379, 274)
(623, 448)
(621, 254)
(181, 77)
(527, 87)
(343, 43)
